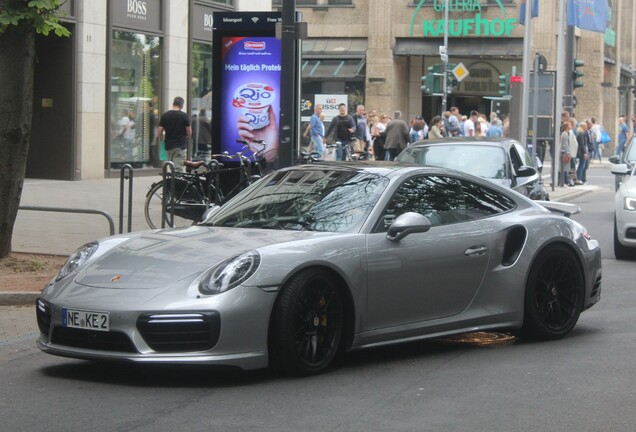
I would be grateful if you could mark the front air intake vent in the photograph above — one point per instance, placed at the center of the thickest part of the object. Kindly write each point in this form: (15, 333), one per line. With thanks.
(180, 332)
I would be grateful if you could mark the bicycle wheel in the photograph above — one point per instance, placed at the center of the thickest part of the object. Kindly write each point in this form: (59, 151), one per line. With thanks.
(152, 209)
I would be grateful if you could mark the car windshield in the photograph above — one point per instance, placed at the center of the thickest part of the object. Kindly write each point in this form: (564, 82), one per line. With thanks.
(305, 200)
(480, 160)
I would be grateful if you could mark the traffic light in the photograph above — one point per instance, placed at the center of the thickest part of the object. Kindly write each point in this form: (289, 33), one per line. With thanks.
(451, 80)
(576, 74)
(432, 82)
(504, 84)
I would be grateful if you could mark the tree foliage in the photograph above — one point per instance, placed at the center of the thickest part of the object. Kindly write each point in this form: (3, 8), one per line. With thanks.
(20, 21)
(40, 15)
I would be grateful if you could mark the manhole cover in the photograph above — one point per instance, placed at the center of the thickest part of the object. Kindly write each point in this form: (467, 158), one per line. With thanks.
(481, 339)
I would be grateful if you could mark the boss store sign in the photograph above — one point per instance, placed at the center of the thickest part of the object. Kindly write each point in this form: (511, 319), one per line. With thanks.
(202, 22)
(136, 14)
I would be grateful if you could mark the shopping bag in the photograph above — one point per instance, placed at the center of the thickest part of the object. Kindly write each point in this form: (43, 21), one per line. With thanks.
(605, 137)
(163, 154)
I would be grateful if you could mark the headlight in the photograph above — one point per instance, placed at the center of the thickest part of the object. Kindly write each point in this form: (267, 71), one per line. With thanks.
(76, 259)
(229, 273)
(630, 203)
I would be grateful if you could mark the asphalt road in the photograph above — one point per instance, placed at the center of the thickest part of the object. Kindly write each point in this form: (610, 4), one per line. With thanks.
(584, 382)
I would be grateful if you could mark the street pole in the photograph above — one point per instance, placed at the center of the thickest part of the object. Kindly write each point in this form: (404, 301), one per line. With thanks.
(535, 105)
(287, 127)
(569, 70)
(560, 81)
(525, 98)
(445, 60)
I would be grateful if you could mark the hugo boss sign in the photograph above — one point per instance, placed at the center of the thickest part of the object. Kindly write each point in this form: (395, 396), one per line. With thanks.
(144, 15)
(137, 7)
(202, 22)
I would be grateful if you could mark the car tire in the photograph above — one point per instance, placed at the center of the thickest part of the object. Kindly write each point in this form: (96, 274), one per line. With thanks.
(308, 323)
(621, 252)
(554, 294)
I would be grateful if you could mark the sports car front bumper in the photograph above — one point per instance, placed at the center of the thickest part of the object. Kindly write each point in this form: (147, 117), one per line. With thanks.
(228, 329)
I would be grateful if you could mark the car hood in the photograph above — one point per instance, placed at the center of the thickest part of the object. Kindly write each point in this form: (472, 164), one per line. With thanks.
(630, 186)
(501, 182)
(159, 259)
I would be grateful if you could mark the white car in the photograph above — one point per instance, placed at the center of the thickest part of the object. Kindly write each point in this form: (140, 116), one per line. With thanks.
(625, 216)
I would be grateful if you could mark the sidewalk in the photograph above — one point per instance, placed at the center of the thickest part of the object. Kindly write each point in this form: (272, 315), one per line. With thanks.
(62, 233)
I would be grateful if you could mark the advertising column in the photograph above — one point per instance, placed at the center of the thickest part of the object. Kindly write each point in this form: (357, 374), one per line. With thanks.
(246, 83)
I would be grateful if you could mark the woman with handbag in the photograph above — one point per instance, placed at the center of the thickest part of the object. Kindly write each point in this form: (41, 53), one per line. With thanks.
(596, 135)
(566, 156)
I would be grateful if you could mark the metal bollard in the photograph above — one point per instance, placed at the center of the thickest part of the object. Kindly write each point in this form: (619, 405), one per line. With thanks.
(122, 176)
(168, 166)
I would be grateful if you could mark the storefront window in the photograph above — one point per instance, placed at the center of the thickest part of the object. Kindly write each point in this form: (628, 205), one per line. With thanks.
(134, 108)
(201, 98)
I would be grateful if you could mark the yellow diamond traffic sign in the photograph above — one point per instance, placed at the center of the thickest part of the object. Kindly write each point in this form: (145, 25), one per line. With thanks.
(460, 72)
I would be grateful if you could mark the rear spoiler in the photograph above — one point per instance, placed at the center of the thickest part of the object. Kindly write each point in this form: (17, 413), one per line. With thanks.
(565, 209)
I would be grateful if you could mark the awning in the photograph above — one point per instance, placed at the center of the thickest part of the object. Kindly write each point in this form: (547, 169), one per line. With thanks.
(466, 47)
(336, 58)
(334, 48)
(332, 68)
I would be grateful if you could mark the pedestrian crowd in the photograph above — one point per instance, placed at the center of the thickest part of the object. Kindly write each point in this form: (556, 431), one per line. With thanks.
(583, 142)
(381, 137)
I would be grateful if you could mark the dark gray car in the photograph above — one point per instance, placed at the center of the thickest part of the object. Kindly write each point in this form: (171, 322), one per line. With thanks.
(502, 160)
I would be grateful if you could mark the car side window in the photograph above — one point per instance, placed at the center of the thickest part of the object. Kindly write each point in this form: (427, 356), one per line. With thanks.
(439, 198)
(515, 159)
(483, 202)
(630, 152)
(523, 155)
(444, 200)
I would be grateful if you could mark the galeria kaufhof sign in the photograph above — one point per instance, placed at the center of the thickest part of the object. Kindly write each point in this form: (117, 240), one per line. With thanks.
(474, 25)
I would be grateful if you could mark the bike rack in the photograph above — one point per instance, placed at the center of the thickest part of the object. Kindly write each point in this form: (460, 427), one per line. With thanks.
(126, 168)
(168, 166)
(111, 222)
(217, 178)
(109, 219)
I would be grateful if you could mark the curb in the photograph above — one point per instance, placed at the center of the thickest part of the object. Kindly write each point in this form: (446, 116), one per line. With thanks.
(18, 298)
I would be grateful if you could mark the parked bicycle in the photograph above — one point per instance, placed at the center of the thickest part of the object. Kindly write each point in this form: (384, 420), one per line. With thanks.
(348, 153)
(200, 187)
(309, 157)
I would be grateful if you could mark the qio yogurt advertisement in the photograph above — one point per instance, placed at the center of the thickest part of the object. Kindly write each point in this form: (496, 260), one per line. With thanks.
(250, 95)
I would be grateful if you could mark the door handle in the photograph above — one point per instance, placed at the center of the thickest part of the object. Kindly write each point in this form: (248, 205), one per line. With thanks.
(476, 250)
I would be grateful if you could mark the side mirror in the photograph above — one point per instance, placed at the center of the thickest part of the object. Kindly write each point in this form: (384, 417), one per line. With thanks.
(407, 223)
(526, 171)
(209, 212)
(614, 159)
(526, 175)
(620, 169)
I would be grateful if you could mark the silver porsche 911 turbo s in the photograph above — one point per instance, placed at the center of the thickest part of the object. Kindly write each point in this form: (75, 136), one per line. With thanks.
(316, 260)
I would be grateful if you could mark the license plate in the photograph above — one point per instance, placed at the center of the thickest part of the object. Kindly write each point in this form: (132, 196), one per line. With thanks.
(88, 320)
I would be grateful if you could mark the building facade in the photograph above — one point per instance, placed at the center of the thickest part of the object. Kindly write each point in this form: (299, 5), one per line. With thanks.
(378, 50)
(127, 59)
(99, 93)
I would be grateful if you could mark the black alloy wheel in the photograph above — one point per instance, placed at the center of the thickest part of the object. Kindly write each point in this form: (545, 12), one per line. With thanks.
(308, 324)
(554, 294)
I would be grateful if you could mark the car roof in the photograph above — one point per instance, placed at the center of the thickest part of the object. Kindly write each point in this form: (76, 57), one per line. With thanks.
(377, 167)
(485, 141)
(383, 168)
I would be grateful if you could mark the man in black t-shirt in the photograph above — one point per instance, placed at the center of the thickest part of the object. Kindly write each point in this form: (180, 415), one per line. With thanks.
(344, 126)
(176, 125)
